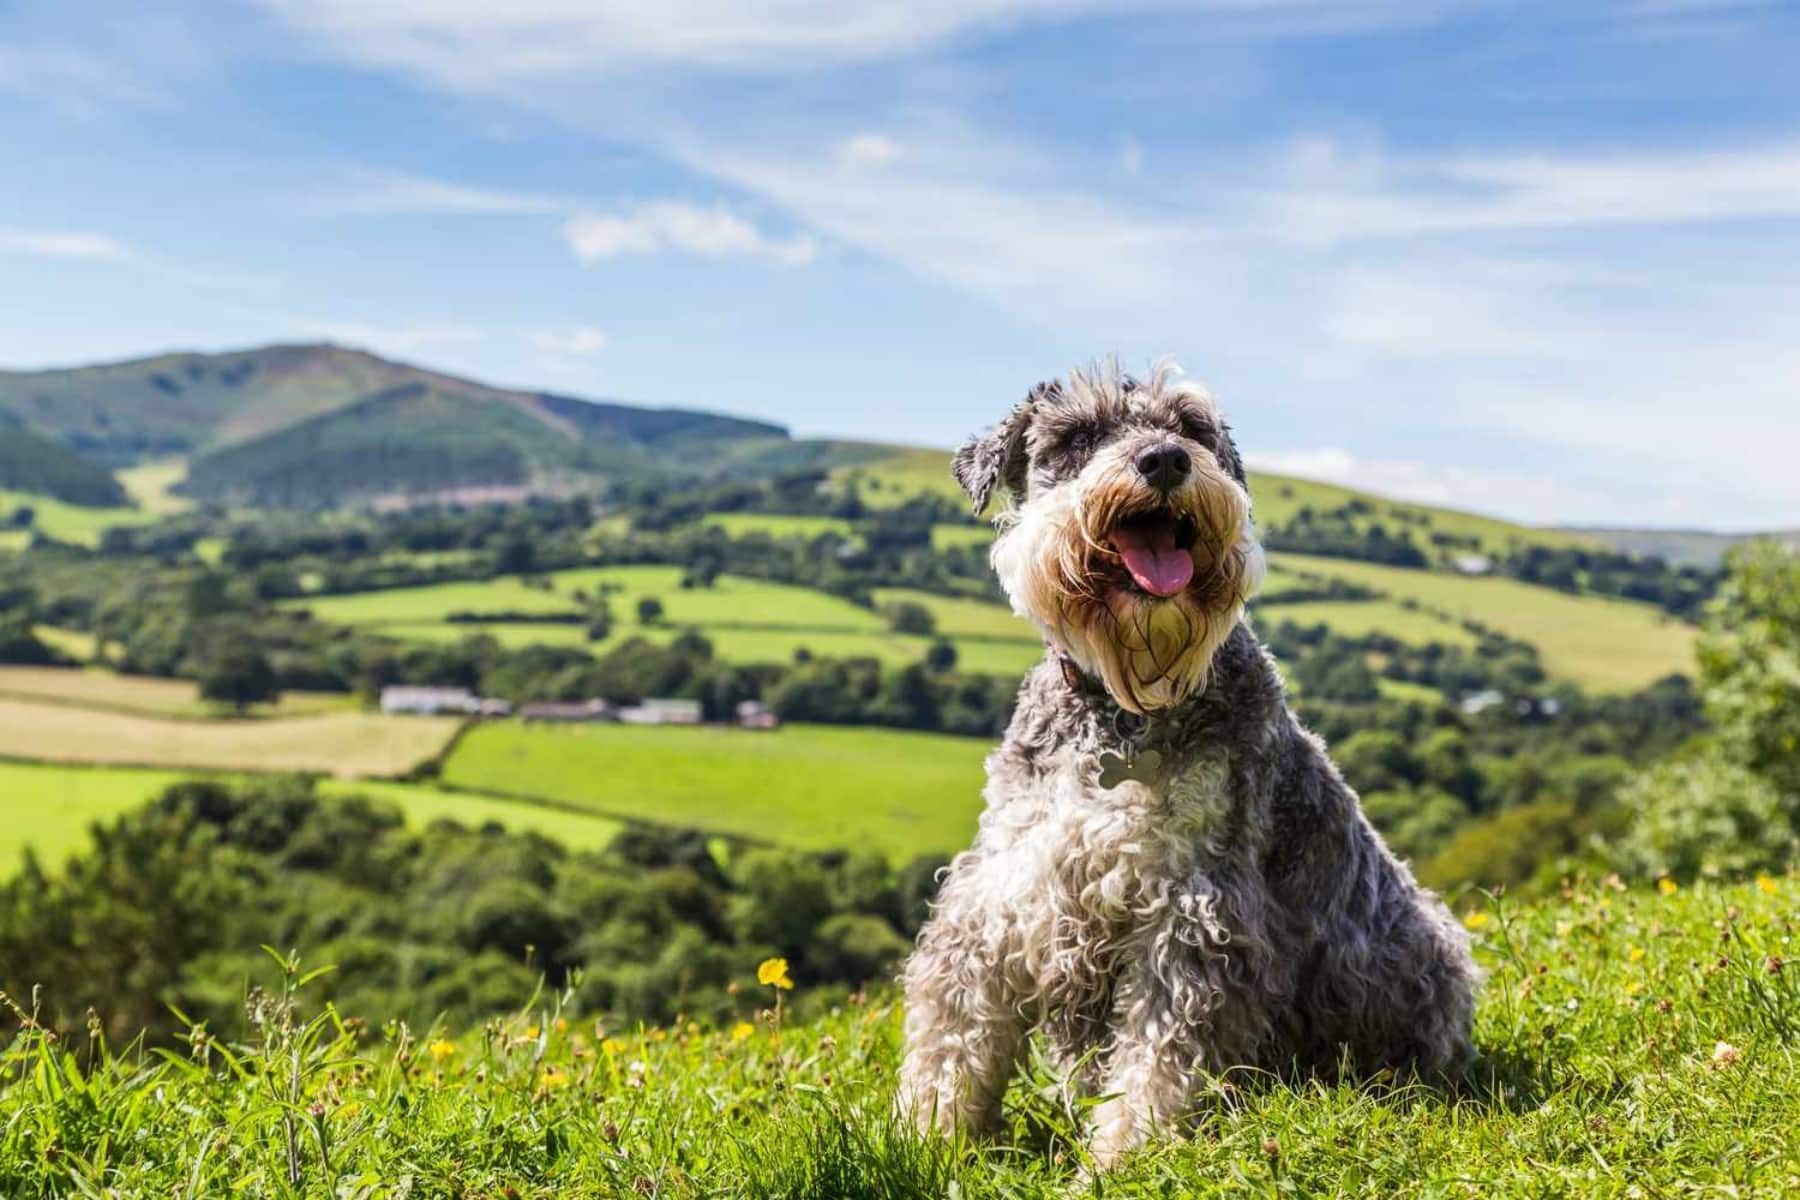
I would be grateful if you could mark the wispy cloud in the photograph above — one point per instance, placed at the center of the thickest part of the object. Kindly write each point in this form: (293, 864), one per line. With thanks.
(41, 244)
(400, 339)
(1524, 495)
(75, 81)
(477, 42)
(668, 226)
(578, 341)
(378, 192)
(869, 150)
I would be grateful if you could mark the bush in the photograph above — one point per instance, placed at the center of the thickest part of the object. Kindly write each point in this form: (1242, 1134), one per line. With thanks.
(1703, 815)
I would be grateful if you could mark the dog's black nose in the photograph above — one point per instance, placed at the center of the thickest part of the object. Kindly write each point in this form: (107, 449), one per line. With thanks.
(1165, 466)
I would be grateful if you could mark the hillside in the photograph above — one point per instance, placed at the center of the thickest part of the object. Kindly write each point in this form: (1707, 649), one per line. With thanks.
(32, 463)
(1683, 547)
(312, 426)
(1612, 1063)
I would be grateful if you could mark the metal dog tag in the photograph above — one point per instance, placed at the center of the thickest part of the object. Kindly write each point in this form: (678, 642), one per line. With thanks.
(1116, 768)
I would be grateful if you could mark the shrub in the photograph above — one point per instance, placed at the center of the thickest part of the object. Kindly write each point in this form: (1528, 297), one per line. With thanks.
(1703, 815)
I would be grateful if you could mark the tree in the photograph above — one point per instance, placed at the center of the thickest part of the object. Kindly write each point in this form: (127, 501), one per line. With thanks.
(909, 616)
(942, 655)
(1750, 665)
(239, 674)
(649, 610)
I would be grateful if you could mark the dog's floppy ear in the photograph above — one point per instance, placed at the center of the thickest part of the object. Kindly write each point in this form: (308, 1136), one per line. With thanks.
(998, 455)
(1229, 458)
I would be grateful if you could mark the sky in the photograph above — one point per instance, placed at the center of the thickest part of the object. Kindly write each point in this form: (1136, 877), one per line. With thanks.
(1535, 259)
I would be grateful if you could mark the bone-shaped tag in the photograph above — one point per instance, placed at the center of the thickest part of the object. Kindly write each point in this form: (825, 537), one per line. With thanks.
(1117, 768)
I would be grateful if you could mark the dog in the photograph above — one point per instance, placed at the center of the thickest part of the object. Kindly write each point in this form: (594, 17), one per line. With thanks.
(1171, 881)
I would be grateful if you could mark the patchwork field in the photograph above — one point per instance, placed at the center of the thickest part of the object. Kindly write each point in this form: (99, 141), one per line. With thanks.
(49, 807)
(345, 744)
(747, 620)
(1359, 618)
(70, 522)
(140, 694)
(899, 793)
(1603, 644)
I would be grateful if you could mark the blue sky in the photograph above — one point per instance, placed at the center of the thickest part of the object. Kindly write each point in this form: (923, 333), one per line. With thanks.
(1541, 259)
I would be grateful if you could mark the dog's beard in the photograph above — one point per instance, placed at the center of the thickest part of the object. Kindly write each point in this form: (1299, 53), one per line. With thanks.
(1058, 562)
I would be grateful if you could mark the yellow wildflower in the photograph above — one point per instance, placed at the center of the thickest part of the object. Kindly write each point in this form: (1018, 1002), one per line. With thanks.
(1632, 988)
(1667, 886)
(1475, 920)
(742, 1030)
(553, 1078)
(441, 1050)
(613, 1046)
(1564, 929)
(1766, 885)
(562, 1025)
(1635, 954)
(774, 973)
(531, 1033)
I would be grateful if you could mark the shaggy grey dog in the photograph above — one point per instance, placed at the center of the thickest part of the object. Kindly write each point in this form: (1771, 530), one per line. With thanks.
(1171, 879)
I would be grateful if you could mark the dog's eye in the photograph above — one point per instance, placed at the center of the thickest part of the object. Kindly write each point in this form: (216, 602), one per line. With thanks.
(1199, 428)
(1073, 440)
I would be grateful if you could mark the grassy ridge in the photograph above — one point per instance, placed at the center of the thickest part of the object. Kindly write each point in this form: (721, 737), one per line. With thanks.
(1631, 1044)
(809, 786)
(143, 695)
(1604, 644)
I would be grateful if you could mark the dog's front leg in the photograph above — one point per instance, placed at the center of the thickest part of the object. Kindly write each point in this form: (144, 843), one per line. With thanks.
(964, 1025)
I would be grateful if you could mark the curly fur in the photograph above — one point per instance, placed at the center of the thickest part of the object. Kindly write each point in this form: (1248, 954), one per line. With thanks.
(1234, 911)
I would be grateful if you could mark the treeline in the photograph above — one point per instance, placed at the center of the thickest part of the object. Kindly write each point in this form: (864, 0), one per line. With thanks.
(167, 912)
(35, 464)
(1682, 591)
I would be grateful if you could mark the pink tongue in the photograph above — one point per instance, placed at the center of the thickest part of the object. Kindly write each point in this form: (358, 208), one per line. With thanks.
(1158, 565)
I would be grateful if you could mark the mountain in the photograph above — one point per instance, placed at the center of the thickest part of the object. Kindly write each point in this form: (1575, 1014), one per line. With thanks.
(32, 463)
(1683, 547)
(314, 426)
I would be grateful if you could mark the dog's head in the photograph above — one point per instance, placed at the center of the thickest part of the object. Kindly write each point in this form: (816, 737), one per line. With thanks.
(1128, 539)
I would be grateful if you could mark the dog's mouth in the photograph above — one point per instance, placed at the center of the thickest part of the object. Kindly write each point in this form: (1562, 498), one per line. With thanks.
(1156, 549)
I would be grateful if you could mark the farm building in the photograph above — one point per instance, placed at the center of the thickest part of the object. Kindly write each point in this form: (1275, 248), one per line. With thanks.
(400, 699)
(570, 713)
(662, 712)
(754, 714)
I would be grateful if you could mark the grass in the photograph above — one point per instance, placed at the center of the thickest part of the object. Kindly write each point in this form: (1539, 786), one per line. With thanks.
(1603, 644)
(777, 525)
(49, 807)
(143, 695)
(69, 522)
(344, 743)
(1631, 1044)
(899, 793)
(1358, 618)
(150, 485)
(73, 642)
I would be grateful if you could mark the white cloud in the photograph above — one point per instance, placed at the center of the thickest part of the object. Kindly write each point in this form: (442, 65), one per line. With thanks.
(1328, 193)
(75, 81)
(64, 245)
(393, 339)
(1523, 496)
(869, 150)
(377, 192)
(668, 226)
(577, 341)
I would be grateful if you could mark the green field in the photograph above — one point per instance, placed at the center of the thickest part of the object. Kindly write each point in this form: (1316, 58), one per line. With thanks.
(1359, 618)
(812, 786)
(337, 743)
(49, 807)
(1599, 643)
(777, 525)
(144, 695)
(151, 484)
(1630, 1045)
(70, 522)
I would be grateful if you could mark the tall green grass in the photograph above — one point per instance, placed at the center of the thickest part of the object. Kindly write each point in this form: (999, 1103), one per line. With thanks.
(1631, 1044)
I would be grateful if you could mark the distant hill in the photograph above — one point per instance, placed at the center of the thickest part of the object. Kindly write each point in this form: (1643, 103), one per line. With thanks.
(315, 426)
(32, 463)
(1683, 547)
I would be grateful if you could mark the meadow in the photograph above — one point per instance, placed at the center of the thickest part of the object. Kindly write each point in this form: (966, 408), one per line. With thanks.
(49, 807)
(339, 743)
(817, 787)
(145, 695)
(1632, 1042)
(1603, 644)
(66, 522)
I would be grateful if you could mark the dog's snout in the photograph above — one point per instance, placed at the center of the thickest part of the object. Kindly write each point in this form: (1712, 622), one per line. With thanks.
(1164, 466)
